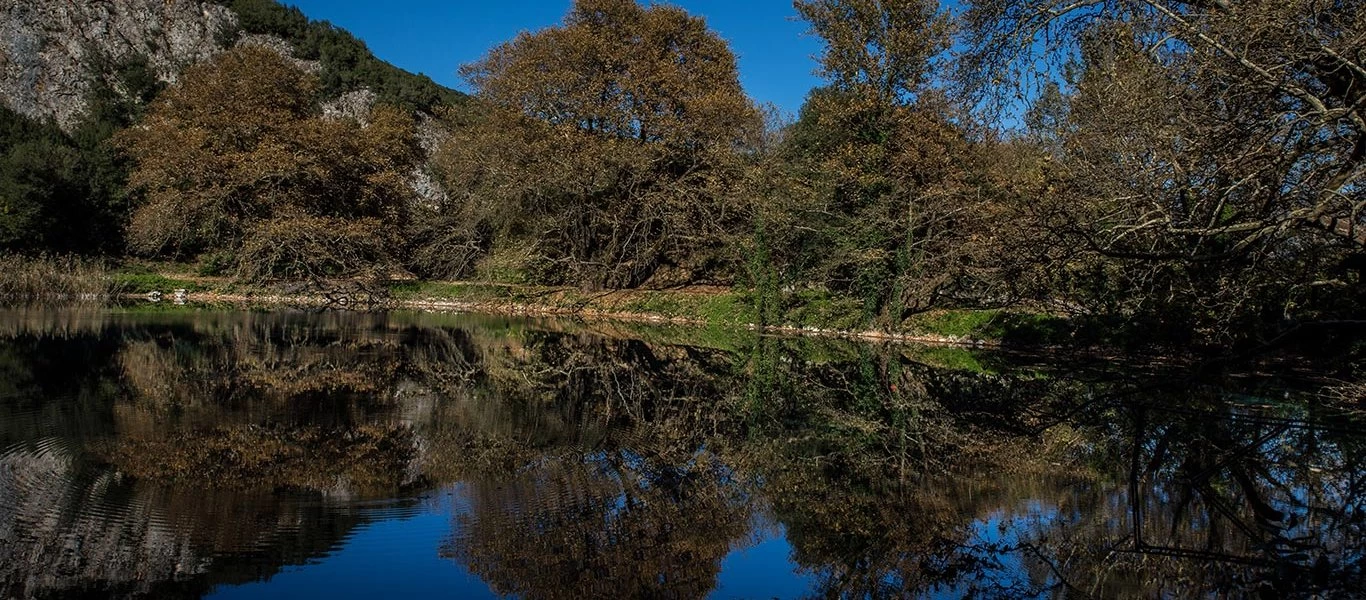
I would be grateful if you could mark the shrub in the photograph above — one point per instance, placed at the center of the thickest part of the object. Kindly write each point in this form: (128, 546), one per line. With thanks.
(304, 247)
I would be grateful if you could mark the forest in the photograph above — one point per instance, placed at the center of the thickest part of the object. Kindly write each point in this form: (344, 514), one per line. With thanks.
(1192, 172)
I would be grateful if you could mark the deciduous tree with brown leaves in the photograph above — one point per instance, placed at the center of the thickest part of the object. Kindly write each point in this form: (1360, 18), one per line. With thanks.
(606, 151)
(238, 158)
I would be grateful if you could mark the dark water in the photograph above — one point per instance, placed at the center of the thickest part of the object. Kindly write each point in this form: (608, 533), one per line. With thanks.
(293, 455)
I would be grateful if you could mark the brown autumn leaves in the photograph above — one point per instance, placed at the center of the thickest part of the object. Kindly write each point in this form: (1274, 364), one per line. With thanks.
(1196, 163)
(608, 151)
(236, 159)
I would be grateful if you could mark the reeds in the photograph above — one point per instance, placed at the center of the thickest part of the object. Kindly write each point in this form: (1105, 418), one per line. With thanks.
(48, 279)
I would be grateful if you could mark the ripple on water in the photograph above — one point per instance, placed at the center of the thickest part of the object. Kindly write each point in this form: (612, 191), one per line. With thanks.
(31, 470)
(46, 495)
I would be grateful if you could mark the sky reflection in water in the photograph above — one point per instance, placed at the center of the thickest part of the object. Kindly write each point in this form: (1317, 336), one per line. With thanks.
(399, 558)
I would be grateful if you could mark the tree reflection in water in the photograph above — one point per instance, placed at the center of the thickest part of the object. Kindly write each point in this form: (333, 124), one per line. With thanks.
(178, 452)
(1236, 498)
(607, 525)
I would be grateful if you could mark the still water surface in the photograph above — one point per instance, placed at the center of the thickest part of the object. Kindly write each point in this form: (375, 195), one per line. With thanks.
(250, 455)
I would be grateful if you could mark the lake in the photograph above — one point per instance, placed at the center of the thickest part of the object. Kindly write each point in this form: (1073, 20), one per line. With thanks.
(201, 453)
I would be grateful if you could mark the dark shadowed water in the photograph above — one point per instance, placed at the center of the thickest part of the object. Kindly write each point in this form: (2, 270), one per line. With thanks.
(250, 455)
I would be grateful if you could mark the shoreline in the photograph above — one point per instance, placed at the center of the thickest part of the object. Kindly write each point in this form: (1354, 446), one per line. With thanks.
(703, 307)
(624, 307)
(591, 316)
(523, 309)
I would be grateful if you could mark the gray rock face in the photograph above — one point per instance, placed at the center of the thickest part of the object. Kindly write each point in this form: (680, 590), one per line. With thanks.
(431, 134)
(282, 48)
(49, 48)
(352, 105)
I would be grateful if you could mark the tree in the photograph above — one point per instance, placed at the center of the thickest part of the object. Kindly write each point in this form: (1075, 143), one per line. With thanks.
(1216, 153)
(883, 48)
(65, 191)
(885, 174)
(608, 148)
(36, 178)
(236, 158)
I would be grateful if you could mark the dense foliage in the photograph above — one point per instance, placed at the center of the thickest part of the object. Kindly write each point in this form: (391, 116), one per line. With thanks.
(65, 191)
(884, 194)
(235, 158)
(1189, 169)
(607, 153)
(1207, 157)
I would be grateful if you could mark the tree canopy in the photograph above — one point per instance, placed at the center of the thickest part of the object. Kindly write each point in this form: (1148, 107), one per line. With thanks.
(236, 157)
(884, 181)
(608, 145)
(65, 191)
(1211, 151)
(1188, 170)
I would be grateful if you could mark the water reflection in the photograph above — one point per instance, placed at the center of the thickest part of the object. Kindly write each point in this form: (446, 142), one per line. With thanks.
(182, 454)
(606, 525)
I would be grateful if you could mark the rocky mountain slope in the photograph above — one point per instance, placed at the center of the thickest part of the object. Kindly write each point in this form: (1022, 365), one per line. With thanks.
(53, 51)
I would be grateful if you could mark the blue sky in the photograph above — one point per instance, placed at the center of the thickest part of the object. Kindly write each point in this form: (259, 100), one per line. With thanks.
(435, 37)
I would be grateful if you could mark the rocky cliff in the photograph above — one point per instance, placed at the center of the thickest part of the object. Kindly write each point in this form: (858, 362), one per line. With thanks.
(53, 51)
